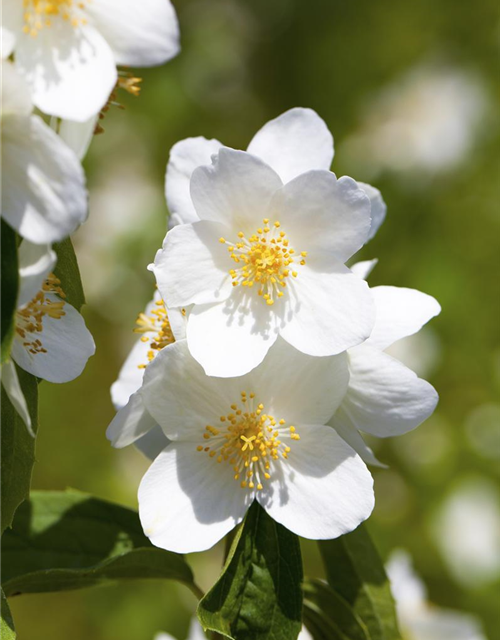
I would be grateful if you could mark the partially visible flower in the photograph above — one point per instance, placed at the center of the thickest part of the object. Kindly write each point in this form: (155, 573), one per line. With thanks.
(51, 340)
(259, 437)
(385, 398)
(68, 51)
(418, 619)
(159, 328)
(267, 258)
(196, 633)
(43, 187)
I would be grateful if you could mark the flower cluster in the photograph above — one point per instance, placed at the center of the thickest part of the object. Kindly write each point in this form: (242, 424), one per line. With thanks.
(60, 57)
(261, 359)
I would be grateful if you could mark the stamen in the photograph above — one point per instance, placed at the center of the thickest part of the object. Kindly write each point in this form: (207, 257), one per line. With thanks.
(247, 440)
(39, 14)
(157, 330)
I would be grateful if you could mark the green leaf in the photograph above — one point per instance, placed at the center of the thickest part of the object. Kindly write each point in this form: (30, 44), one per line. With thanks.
(63, 540)
(69, 274)
(329, 616)
(355, 571)
(258, 595)
(10, 283)
(18, 449)
(7, 631)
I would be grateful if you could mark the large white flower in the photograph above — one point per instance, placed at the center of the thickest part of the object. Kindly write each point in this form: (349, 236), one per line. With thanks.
(68, 50)
(259, 437)
(418, 619)
(43, 186)
(51, 340)
(385, 398)
(267, 258)
(159, 328)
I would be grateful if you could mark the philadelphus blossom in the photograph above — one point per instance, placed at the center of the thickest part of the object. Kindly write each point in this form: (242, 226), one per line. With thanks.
(51, 340)
(43, 187)
(265, 254)
(385, 398)
(261, 436)
(418, 619)
(196, 633)
(159, 329)
(67, 50)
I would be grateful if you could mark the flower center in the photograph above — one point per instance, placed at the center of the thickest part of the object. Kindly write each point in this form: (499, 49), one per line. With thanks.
(157, 325)
(29, 319)
(265, 259)
(39, 13)
(251, 441)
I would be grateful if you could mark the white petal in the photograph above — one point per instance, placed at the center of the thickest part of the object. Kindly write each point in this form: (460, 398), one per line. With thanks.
(152, 443)
(181, 398)
(330, 310)
(139, 36)
(378, 207)
(320, 213)
(10, 29)
(193, 266)
(188, 502)
(231, 338)
(130, 423)
(36, 261)
(10, 382)
(304, 634)
(78, 135)
(71, 70)
(293, 143)
(384, 397)
(68, 342)
(236, 190)
(43, 196)
(300, 388)
(178, 320)
(400, 312)
(323, 489)
(130, 376)
(438, 624)
(16, 98)
(364, 268)
(347, 430)
(185, 157)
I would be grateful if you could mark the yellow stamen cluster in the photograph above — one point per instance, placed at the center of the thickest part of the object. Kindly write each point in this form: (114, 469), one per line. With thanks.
(249, 440)
(40, 13)
(29, 319)
(264, 259)
(125, 81)
(158, 324)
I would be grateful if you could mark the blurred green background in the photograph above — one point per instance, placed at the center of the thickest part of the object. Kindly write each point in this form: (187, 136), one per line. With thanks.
(408, 91)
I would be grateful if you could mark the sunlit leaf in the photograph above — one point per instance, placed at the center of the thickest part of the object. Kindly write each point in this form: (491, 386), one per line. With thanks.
(69, 274)
(355, 571)
(10, 281)
(18, 449)
(7, 631)
(70, 540)
(258, 595)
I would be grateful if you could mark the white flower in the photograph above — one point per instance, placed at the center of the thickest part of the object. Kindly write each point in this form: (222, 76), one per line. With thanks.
(267, 259)
(259, 437)
(43, 186)
(51, 340)
(68, 50)
(385, 398)
(418, 619)
(160, 328)
(196, 633)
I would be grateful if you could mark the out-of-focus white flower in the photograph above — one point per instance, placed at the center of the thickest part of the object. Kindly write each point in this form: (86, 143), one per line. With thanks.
(259, 437)
(68, 51)
(51, 340)
(385, 398)
(426, 122)
(418, 619)
(265, 258)
(43, 186)
(467, 530)
(196, 633)
(159, 329)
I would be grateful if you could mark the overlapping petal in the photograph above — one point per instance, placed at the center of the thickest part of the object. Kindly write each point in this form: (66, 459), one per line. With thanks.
(293, 143)
(130, 423)
(36, 261)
